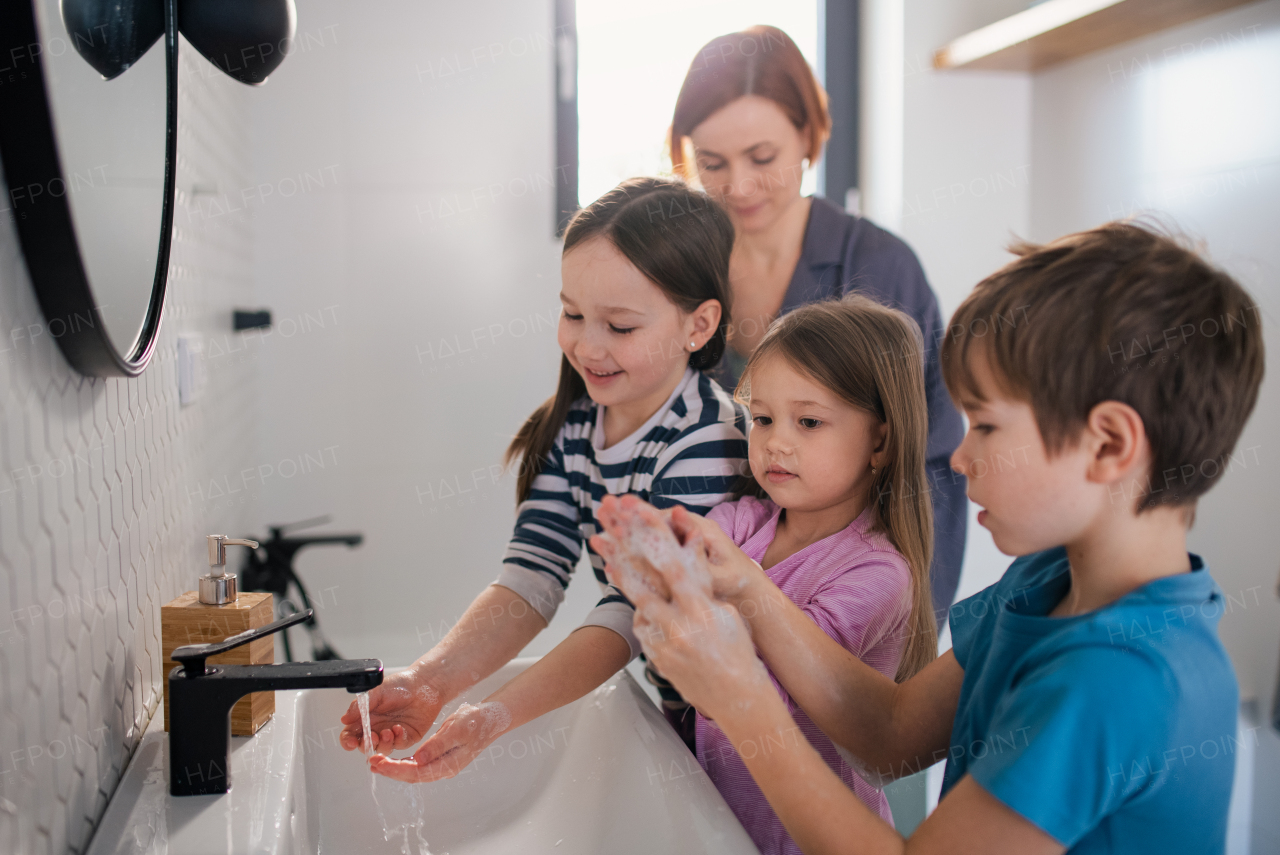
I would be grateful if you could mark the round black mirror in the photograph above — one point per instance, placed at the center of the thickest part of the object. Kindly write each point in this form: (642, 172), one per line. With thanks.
(88, 130)
(88, 108)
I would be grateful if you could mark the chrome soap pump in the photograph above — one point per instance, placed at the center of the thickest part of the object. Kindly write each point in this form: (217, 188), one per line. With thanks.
(219, 587)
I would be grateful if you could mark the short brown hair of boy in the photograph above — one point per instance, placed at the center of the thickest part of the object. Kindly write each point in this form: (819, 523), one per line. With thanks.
(1122, 313)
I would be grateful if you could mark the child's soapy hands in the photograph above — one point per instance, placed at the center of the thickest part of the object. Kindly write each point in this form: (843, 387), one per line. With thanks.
(401, 711)
(460, 739)
(732, 572)
(702, 646)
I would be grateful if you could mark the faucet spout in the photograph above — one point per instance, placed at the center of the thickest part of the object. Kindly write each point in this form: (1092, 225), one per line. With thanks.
(233, 682)
(201, 697)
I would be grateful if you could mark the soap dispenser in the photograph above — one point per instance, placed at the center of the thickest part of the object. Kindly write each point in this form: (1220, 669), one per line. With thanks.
(219, 587)
(215, 612)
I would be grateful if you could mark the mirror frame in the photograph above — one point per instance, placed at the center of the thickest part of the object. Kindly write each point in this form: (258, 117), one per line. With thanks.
(46, 230)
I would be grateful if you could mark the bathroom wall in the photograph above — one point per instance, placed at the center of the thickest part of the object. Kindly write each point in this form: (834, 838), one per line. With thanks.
(406, 246)
(966, 182)
(1186, 124)
(104, 489)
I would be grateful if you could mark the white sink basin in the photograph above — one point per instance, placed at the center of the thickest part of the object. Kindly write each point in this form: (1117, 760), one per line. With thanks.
(604, 774)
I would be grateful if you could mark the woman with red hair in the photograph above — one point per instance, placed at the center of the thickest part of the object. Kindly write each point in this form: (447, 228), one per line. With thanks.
(750, 118)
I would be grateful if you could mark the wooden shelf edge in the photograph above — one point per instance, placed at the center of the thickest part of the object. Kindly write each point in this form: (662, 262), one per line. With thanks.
(1059, 30)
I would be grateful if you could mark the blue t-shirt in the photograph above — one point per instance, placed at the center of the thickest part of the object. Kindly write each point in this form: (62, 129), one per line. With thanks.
(1112, 731)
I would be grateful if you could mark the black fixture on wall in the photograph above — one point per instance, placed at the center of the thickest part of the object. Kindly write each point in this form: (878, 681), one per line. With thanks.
(113, 34)
(246, 39)
(250, 319)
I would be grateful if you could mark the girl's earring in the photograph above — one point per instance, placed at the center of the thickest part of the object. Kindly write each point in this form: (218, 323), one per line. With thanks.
(873, 470)
(693, 345)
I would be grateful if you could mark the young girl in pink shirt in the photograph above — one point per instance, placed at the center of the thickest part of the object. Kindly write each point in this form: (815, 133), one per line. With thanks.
(836, 511)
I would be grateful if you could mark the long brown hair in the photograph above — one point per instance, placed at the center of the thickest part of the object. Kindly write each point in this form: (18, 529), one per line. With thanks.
(680, 240)
(760, 61)
(871, 357)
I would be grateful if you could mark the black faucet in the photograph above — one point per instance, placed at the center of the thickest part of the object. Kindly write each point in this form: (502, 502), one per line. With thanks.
(201, 697)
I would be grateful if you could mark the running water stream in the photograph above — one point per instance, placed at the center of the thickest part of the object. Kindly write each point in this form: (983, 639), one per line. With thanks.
(414, 807)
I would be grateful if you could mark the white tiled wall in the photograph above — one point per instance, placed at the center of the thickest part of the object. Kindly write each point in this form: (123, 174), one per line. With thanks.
(101, 511)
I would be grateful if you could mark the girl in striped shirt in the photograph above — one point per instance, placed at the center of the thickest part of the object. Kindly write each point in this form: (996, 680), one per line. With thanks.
(646, 310)
(836, 514)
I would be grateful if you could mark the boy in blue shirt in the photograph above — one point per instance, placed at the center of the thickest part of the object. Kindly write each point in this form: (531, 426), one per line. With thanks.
(1087, 705)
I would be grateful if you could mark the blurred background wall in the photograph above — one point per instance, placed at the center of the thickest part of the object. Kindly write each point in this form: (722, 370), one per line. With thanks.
(423, 279)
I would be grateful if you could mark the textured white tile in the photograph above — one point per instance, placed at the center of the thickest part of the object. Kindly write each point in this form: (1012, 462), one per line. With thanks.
(97, 529)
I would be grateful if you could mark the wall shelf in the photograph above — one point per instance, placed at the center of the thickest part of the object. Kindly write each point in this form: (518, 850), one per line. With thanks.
(1058, 30)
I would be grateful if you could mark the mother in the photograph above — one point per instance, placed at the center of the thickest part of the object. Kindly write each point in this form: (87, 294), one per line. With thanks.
(750, 118)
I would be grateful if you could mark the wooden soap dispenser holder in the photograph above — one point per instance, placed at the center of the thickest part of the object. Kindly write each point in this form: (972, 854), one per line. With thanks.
(214, 613)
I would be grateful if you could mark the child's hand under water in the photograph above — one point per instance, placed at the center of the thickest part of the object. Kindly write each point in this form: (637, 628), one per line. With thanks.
(401, 711)
(460, 739)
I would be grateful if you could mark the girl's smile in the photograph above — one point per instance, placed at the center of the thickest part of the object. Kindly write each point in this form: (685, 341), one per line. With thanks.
(599, 377)
(626, 338)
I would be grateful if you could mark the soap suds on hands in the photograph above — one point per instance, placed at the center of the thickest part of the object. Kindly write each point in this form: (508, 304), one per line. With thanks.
(492, 717)
(651, 541)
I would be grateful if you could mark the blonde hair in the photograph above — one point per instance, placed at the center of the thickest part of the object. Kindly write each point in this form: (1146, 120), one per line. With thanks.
(872, 358)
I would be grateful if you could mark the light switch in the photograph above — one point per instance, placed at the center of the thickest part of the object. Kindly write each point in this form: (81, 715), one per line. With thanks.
(191, 368)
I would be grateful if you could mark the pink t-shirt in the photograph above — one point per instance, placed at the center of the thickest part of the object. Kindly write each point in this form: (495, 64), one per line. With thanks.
(855, 586)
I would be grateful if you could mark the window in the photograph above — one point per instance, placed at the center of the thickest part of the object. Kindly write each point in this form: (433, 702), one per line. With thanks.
(631, 60)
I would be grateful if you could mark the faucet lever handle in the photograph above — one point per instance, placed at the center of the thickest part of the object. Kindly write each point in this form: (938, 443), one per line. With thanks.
(192, 656)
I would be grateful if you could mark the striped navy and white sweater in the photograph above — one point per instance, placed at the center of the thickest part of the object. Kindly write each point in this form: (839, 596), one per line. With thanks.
(689, 453)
